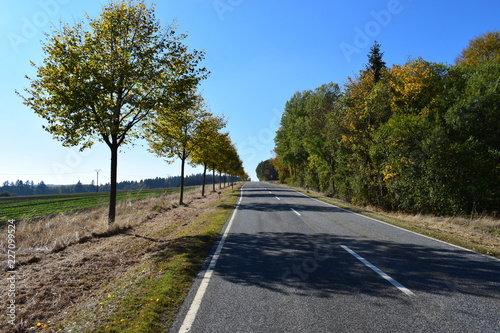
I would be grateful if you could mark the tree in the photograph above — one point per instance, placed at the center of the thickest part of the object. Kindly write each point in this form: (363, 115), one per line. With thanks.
(226, 159)
(472, 125)
(375, 63)
(79, 188)
(481, 49)
(41, 188)
(290, 137)
(416, 85)
(205, 153)
(265, 171)
(105, 81)
(420, 137)
(220, 142)
(178, 131)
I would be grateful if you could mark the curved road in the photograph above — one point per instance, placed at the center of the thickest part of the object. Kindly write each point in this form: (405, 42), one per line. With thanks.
(290, 263)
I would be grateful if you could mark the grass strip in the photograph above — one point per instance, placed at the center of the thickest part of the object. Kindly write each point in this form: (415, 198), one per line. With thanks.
(151, 303)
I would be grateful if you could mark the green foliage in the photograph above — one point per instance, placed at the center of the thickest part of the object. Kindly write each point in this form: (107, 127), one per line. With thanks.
(418, 137)
(302, 142)
(265, 171)
(187, 131)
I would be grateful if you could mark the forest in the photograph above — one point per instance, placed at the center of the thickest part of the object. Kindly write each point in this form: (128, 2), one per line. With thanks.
(30, 188)
(421, 137)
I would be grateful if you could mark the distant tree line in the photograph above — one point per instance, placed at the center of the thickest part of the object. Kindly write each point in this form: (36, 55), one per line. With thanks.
(418, 137)
(20, 187)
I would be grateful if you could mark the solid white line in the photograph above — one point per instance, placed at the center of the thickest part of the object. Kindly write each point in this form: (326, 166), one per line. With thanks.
(278, 198)
(195, 305)
(293, 210)
(379, 272)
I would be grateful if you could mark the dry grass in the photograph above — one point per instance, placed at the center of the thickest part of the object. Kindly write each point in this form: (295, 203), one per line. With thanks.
(74, 269)
(54, 233)
(480, 230)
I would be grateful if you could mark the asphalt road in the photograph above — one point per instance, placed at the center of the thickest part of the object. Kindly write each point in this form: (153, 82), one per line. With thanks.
(289, 263)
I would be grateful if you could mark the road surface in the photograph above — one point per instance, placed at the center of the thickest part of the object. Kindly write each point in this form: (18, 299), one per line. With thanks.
(290, 263)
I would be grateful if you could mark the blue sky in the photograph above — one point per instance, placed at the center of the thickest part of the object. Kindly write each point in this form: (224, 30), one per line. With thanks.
(258, 52)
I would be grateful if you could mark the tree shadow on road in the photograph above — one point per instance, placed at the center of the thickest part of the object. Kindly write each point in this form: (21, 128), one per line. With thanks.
(316, 264)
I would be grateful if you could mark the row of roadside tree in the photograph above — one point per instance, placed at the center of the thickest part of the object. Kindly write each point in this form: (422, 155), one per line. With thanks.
(121, 77)
(418, 137)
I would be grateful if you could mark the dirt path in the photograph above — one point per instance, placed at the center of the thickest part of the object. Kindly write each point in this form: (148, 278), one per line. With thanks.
(54, 287)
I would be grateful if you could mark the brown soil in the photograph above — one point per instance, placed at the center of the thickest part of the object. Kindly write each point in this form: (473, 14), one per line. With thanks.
(53, 287)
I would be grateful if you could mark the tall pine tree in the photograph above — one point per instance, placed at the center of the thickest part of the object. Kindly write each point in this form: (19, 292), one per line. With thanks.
(375, 62)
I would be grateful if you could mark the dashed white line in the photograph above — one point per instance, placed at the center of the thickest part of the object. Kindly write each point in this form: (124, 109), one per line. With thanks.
(278, 198)
(293, 210)
(379, 272)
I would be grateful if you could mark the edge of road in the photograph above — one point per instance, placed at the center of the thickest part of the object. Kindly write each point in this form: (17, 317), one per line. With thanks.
(397, 224)
(189, 308)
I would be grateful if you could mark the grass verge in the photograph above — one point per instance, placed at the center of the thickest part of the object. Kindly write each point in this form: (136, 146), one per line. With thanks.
(480, 235)
(149, 300)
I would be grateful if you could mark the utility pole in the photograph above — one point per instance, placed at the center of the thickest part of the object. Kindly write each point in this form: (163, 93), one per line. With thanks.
(97, 170)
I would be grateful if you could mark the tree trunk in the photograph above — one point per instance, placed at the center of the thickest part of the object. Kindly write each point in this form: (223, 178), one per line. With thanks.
(213, 179)
(183, 160)
(112, 189)
(204, 180)
(220, 180)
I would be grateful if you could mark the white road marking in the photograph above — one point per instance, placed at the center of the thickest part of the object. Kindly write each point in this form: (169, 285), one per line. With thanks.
(195, 305)
(278, 198)
(293, 210)
(379, 272)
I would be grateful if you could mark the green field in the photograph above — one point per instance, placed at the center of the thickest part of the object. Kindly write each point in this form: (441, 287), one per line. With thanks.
(22, 207)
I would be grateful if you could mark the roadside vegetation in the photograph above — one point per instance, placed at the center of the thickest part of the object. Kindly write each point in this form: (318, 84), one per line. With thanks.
(82, 275)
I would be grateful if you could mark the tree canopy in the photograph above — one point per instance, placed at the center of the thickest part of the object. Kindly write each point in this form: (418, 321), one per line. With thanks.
(266, 171)
(423, 137)
(481, 49)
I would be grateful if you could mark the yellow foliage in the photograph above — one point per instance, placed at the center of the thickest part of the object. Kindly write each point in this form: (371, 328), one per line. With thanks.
(483, 48)
(410, 84)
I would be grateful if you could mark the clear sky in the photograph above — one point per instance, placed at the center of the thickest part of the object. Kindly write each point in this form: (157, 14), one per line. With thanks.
(259, 54)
